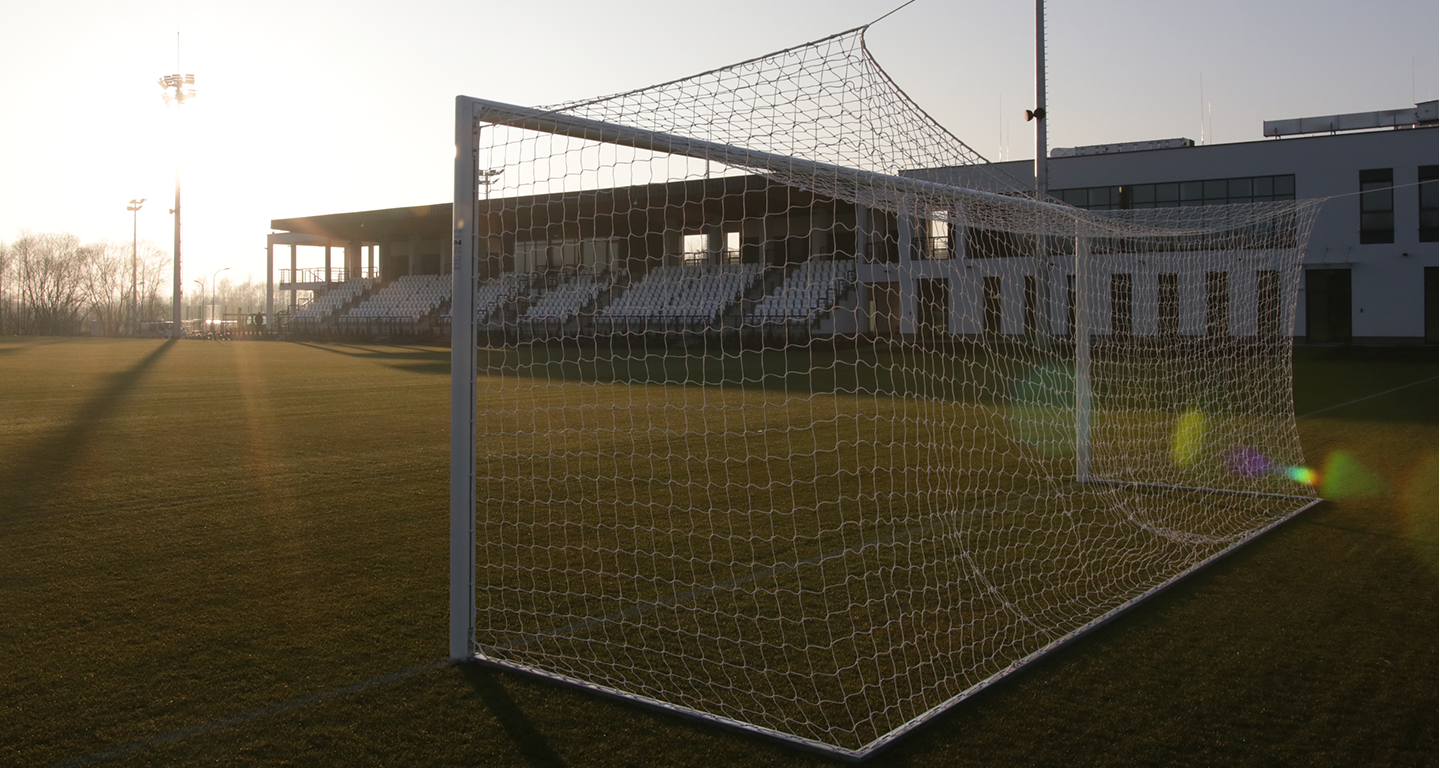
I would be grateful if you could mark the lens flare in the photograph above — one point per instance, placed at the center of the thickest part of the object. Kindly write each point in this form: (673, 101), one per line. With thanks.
(1247, 461)
(1345, 477)
(1189, 438)
(1303, 475)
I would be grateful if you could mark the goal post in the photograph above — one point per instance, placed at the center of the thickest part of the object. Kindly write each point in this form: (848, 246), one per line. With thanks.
(463, 404)
(775, 405)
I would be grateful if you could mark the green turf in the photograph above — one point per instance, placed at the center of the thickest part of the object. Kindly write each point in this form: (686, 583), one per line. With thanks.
(193, 531)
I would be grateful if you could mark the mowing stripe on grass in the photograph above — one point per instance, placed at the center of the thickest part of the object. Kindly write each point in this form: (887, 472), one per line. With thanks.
(1367, 397)
(245, 717)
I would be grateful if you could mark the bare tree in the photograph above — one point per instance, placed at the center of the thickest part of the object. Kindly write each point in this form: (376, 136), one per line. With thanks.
(50, 282)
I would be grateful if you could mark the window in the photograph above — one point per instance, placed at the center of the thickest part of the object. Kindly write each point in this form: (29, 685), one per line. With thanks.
(1248, 189)
(991, 288)
(1429, 197)
(935, 242)
(1377, 206)
(1217, 304)
(1120, 313)
(1032, 306)
(1267, 304)
(1168, 295)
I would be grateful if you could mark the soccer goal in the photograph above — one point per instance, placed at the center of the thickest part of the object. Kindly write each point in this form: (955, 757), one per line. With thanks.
(775, 404)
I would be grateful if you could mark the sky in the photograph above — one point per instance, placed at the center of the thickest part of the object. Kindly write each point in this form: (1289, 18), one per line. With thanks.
(311, 107)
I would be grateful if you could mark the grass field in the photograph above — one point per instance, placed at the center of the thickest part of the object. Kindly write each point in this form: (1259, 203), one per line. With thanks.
(236, 554)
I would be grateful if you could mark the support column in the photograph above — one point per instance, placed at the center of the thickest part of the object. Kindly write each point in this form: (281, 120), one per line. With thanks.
(327, 262)
(370, 273)
(1084, 301)
(269, 282)
(352, 260)
(293, 278)
(907, 276)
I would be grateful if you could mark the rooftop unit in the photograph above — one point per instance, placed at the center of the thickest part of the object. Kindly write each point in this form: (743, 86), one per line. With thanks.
(1421, 114)
(1129, 146)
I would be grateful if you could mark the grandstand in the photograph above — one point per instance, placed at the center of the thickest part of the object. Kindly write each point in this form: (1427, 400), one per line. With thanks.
(330, 302)
(684, 295)
(570, 296)
(812, 290)
(493, 296)
(409, 299)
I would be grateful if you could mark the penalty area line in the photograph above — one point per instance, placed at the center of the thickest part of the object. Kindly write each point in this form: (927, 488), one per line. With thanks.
(245, 717)
(1367, 397)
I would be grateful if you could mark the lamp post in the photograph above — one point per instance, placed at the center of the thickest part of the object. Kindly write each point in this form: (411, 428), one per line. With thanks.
(178, 89)
(201, 282)
(212, 290)
(134, 209)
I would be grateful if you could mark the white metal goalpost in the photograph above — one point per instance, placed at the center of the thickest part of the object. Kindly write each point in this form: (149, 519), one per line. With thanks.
(768, 405)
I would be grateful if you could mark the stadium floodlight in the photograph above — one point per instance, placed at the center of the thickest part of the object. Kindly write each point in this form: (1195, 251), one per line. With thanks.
(134, 208)
(177, 89)
(931, 427)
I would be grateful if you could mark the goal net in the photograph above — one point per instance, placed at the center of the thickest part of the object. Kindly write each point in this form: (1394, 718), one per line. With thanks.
(777, 404)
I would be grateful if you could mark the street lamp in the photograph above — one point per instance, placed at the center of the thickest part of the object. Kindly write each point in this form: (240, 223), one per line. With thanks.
(212, 290)
(201, 283)
(177, 89)
(134, 209)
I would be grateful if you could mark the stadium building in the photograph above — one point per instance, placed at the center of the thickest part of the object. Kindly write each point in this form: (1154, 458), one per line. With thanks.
(741, 251)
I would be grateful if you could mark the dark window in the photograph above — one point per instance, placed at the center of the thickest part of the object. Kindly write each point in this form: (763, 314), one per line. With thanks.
(1120, 312)
(993, 317)
(1327, 305)
(1070, 305)
(934, 307)
(1430, 310)
(1032, 305)
(1377, 206)
(1169, 195)
(1217, 304)
(1168, 295)
(1429, 197)
(996, 244)
(1267, 304)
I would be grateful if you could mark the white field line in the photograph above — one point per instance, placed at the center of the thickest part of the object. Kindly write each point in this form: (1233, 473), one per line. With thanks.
(1367, 397)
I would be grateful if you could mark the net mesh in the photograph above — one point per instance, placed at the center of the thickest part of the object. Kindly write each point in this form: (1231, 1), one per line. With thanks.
(796, 413)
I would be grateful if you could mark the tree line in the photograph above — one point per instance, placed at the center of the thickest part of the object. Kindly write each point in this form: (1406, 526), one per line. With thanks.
(55, 285)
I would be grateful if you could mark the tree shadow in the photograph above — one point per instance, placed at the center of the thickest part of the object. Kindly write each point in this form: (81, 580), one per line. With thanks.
(526, 737)
(39, 472)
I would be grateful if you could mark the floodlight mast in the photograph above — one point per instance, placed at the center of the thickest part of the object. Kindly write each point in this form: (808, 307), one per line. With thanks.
(134, 209)
(179, 89)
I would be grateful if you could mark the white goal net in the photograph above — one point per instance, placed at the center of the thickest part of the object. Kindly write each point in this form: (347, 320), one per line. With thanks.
(778, 405)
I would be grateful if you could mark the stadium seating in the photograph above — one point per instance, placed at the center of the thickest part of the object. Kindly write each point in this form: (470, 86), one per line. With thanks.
(566, 300)
(319, 310)
(408, 299)
(683, 294)
(807, 293)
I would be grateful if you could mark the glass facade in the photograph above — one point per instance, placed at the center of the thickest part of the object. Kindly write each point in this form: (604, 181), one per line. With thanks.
(1249, 189)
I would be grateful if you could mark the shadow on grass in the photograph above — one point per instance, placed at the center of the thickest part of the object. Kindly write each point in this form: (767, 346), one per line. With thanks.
(434, 361)
(40, 472)
(528, 740)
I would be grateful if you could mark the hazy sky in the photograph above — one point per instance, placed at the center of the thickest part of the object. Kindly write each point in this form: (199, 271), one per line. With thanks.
(321, 107)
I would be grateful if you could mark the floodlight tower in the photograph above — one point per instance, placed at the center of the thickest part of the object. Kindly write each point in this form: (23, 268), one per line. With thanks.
(1042, 174)
(178, 89)
(134, 209)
